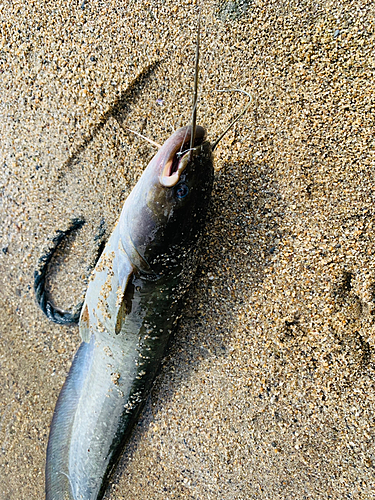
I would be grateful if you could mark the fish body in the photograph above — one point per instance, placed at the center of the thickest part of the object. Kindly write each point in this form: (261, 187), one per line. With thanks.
(129, 313)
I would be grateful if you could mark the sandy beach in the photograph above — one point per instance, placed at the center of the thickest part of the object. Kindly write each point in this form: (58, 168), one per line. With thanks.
(268, 389)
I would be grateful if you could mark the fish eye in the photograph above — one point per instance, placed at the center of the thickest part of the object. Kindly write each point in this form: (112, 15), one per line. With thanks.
(182, 191)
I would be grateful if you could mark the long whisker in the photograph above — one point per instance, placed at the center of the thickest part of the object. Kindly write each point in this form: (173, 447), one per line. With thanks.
(183, 142)
(195, 97)
(237, 117)
(186, 133)
(143, 137)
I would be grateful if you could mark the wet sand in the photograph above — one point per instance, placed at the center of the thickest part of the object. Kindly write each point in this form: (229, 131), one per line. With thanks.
(267, 391)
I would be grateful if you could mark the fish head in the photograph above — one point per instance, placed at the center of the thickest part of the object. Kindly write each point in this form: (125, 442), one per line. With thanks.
(164, 216)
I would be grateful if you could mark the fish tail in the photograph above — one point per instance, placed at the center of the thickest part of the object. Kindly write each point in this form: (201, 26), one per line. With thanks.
(58, 483)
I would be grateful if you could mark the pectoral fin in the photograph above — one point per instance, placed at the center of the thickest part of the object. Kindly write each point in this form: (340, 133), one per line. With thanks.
(125, 305)
(84, 324)
(125, 290)
(110, 292)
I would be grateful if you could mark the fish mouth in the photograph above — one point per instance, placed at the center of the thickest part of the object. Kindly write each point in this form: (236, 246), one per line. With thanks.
(176, 154)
